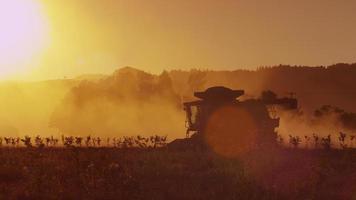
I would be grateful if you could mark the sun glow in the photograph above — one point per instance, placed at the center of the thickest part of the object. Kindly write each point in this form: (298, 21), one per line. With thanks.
(23, 35)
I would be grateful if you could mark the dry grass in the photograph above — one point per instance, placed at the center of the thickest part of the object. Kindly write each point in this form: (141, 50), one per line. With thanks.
(114, 173)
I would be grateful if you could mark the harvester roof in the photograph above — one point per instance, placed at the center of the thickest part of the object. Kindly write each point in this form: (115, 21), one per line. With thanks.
(219, 92)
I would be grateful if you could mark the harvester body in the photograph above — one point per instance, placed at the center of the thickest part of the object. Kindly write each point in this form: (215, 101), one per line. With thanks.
(218, 111)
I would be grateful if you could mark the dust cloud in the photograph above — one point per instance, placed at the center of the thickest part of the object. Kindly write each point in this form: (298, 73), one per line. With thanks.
(133, 102)
(326, 120)
(130, 102)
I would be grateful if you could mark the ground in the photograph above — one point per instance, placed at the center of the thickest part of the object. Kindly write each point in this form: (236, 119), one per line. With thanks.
(111, 173)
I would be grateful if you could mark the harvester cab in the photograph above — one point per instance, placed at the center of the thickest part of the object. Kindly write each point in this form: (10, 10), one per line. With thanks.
(213, 97)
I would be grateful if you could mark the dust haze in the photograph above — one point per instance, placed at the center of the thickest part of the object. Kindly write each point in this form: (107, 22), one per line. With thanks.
(133, 102)
(130, 102)
(326, 120)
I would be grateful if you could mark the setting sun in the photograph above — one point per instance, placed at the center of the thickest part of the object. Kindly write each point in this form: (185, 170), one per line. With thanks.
(24, 33)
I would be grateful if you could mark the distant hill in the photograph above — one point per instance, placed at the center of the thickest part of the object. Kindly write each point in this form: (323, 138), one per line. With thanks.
(314, 86)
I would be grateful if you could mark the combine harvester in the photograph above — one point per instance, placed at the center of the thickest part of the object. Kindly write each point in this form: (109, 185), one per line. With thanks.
(221, 122)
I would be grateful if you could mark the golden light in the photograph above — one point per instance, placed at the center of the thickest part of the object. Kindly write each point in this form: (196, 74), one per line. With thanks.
(23, 35)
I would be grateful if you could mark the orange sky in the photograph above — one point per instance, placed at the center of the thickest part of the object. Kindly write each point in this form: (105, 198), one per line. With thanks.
(93, 36)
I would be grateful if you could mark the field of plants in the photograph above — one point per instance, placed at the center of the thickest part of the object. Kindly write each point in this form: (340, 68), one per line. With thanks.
(88, 141)
(342, 141)
(144, 168)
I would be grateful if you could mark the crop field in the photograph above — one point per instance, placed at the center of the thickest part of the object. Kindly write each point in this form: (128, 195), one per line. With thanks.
(74, 172)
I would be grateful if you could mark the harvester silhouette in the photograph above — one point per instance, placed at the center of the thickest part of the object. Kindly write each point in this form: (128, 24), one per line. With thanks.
(218, 118)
